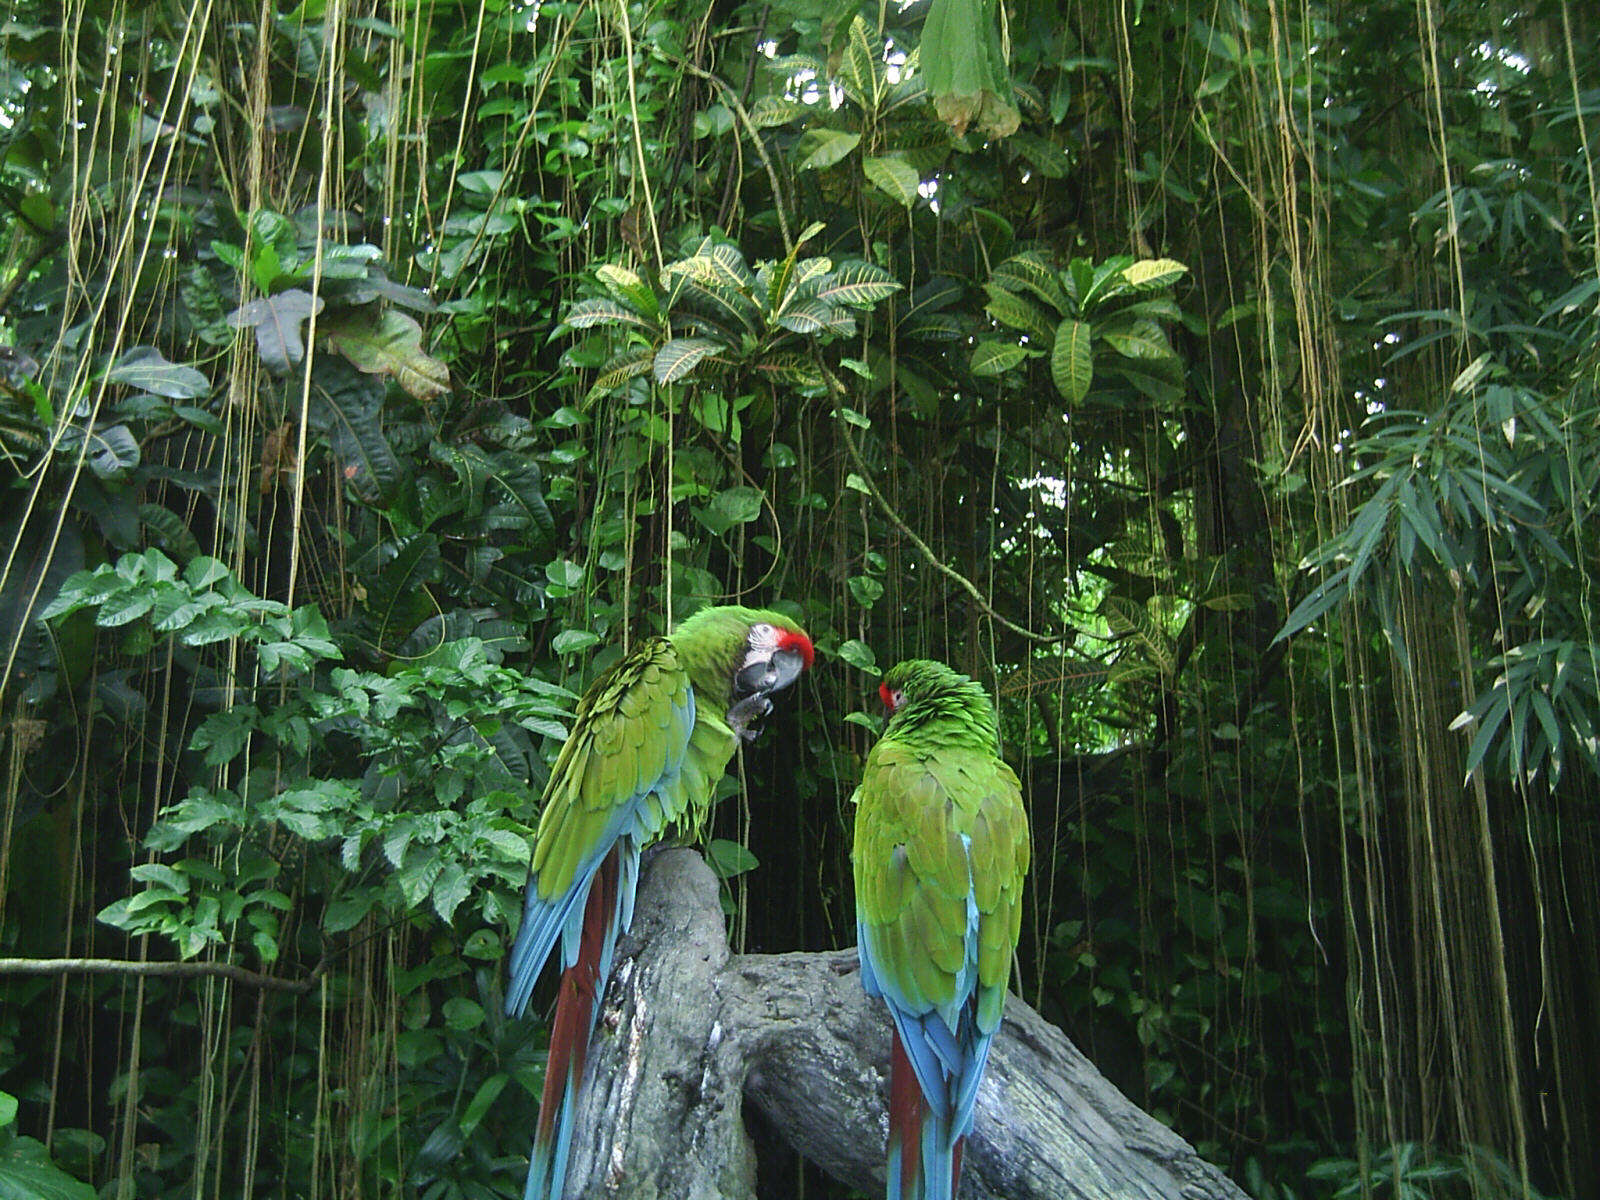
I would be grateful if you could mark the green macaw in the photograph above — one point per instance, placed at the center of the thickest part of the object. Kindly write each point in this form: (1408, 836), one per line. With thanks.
(650, 740)
(941, 848)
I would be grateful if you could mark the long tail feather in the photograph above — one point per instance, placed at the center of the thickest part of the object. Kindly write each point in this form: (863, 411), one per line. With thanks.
(924, 1161)
(577, 1008)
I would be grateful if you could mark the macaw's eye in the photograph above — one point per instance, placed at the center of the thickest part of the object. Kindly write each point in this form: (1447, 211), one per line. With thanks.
(892, 698)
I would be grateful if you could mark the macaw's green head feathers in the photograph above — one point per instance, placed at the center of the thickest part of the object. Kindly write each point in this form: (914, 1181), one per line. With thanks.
(928, 699)
(738, 657)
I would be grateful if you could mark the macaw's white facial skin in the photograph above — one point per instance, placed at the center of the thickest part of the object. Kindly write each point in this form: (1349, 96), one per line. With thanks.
(773, 659)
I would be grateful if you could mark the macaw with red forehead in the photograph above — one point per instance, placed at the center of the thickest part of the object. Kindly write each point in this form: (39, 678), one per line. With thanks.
(650, 740)
(941, 849)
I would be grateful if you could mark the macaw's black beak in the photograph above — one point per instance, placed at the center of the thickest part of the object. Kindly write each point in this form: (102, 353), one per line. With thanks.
(764, 678)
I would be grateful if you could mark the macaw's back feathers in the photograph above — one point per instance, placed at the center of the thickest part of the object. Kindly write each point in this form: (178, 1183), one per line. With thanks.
(941, 848)
(649, 740)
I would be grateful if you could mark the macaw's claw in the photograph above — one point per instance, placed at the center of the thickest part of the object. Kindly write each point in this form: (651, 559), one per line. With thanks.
(743, 715)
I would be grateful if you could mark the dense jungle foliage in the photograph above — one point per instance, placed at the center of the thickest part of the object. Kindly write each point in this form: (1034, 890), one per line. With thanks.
(1217, 383)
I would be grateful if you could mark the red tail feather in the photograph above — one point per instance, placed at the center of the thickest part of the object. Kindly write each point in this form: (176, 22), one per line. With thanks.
(575, 1002)
(907, 1110)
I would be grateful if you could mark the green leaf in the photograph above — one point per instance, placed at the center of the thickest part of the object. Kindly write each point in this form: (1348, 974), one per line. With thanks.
(819, 149)
(1152, 274)
(276, 321)
(858, 654)
(736, 506)
(482, 1101)
(570, 641)
(37, 1178)
(965, 68)
(859, 66)
(867, 590)
(857, 285)
(815, 316)
(347, 912)
(146, 368)
(390, 346)
(565, 573)
(996, 358)
(8, 1109)
(894, 177)
(461, 1013)
(450, 890)
(1030, 272)
(597, 311)
(113, 452)
(772, 110)
(627, 288)
(1011, 309)
(680, 356)
(727, 859)
(1071, 363)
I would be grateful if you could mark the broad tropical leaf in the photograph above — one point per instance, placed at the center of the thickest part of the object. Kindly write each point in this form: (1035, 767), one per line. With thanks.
(680, 356)
(1071, 363)
(894, 177)
(995, 358)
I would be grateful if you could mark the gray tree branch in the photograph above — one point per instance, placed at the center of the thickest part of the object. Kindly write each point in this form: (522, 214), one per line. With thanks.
(689, 1033)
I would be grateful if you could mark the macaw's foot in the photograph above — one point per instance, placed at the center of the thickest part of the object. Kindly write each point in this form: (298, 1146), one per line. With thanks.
(743, 715)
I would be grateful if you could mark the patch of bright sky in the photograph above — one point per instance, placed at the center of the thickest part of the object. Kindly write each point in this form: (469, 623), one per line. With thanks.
(1510, 58)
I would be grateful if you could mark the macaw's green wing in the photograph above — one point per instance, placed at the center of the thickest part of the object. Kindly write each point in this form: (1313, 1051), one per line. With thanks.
(941, 849)
(618, 778)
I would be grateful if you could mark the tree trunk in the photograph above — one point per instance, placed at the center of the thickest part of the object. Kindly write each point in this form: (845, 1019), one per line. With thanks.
(689, 1033)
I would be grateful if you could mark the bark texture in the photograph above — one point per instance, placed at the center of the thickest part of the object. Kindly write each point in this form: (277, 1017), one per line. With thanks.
(689, 1033)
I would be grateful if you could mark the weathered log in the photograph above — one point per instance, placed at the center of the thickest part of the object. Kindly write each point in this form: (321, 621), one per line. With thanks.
(689, 1033)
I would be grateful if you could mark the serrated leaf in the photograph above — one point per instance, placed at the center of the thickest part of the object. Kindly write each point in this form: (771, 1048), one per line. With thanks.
(1071, 363)
(995, 358)
(390, 346)
(1150, 274)
(680, 356)
(819, 149)
(894, 177)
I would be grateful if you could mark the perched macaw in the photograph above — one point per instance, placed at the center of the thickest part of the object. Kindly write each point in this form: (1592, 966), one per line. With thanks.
(650, 740)
(941, 847)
